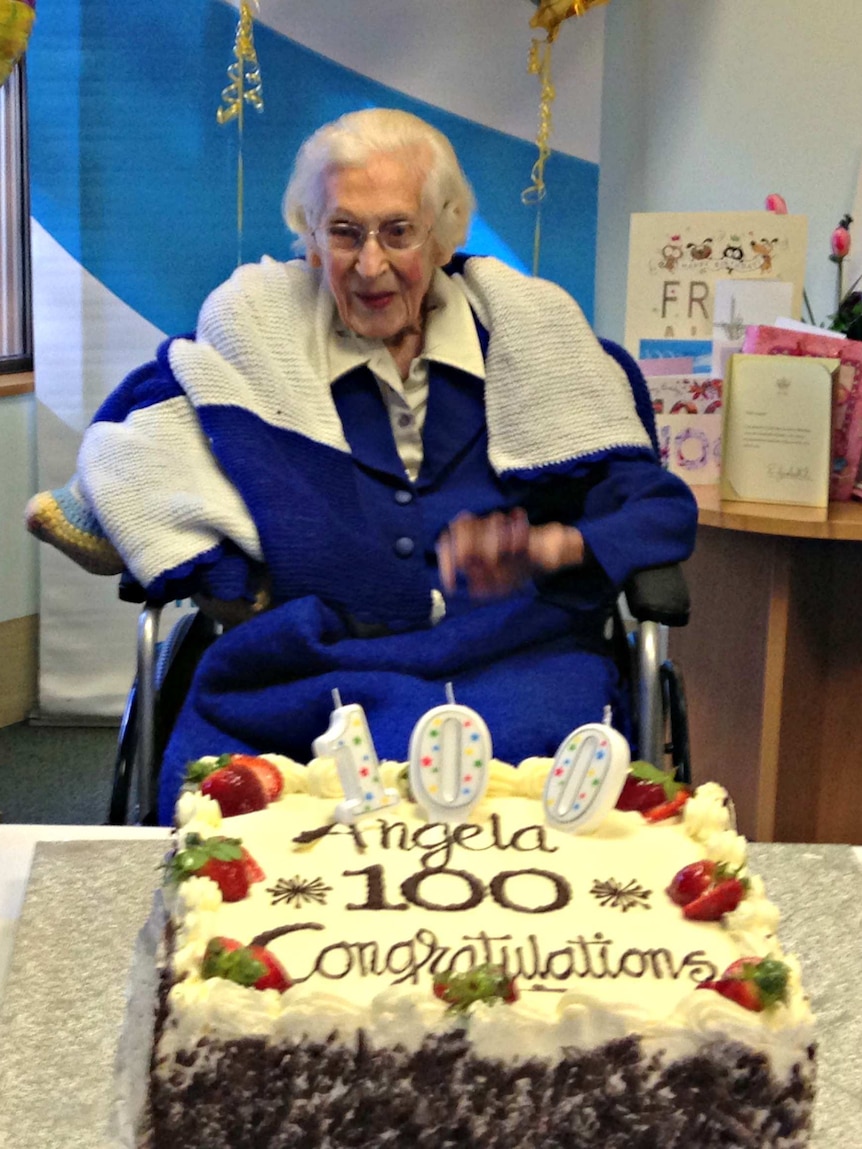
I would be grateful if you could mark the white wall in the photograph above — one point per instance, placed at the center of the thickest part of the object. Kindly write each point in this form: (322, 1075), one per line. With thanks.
(18, 571)
(713, 104)
(502, 93)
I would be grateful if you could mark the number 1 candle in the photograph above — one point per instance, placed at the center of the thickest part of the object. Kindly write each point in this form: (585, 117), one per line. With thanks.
(348, 740)
(450, 751)
(586, 778)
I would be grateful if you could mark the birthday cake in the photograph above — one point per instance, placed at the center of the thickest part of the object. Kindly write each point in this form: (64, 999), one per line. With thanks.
(395, 980)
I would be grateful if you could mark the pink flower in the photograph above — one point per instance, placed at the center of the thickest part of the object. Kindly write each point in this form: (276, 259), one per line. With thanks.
(776, 203)
(841, 241)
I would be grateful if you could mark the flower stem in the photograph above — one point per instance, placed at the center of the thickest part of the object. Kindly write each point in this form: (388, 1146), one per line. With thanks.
(839, 283)
(807, 303)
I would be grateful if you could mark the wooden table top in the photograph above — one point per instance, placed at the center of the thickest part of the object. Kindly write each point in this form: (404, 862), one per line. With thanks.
(840, 522)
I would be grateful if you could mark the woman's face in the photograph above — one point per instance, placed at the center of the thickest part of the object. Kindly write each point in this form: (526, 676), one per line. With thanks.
(379, 293)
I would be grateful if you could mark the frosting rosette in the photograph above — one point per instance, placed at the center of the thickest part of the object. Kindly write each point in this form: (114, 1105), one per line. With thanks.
(707, 812)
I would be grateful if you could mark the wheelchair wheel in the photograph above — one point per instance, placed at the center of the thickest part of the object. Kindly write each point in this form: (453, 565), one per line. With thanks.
(118, 808)
(675, 715)
(176, 658)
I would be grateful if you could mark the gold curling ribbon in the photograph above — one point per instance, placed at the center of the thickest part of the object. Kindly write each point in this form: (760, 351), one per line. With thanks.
(549, 15)
(540, 65)
(245, 87)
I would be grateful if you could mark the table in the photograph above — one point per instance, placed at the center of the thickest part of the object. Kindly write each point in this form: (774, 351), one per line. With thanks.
(772, 660)
(17, 843)
(63, 1011)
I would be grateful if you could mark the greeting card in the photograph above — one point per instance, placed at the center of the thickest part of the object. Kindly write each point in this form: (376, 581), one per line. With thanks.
(776, 435)
(676, 259)
(688, 423)
(739, 304)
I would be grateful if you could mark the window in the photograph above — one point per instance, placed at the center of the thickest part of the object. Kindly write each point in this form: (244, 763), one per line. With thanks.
(15, 312)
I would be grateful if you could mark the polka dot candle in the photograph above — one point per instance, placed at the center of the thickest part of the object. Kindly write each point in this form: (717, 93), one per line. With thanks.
(450, 750)
(348, 740)
(586, 778)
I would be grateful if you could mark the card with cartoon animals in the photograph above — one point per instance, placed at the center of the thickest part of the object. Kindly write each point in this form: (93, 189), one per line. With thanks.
(677, 258)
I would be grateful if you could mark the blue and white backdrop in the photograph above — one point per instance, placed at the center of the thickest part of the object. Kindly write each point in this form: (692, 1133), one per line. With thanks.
(133, 193)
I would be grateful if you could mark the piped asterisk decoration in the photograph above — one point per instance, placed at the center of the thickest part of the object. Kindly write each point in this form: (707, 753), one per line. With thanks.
(299, 891)
(615, 894)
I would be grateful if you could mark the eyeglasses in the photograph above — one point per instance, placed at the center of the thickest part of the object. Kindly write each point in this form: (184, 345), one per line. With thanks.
(393, 235)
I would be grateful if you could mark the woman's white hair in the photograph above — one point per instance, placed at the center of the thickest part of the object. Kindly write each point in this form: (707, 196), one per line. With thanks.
(351, 141)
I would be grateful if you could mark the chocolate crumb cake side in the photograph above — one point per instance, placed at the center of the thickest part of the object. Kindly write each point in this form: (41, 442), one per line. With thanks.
(499, 983)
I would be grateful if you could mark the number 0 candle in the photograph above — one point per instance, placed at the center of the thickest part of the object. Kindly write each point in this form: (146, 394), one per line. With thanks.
(586, 778)
(348, 740)
(450, 751)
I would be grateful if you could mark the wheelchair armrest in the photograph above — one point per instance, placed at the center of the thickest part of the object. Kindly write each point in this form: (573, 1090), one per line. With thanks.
(659, 594)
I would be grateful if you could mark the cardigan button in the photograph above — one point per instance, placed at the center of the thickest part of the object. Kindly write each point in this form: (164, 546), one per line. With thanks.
(404, 547)
(403, 497)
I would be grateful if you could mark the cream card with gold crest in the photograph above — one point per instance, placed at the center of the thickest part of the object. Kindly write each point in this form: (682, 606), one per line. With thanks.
(776, 437)
(676, 258)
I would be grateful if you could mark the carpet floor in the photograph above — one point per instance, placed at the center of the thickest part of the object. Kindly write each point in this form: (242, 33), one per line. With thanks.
(58, 775)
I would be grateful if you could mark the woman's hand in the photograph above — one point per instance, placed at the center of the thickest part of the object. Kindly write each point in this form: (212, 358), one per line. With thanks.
(500, 552)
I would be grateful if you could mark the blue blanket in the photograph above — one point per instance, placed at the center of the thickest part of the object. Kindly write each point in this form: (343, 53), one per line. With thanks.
(267, 686)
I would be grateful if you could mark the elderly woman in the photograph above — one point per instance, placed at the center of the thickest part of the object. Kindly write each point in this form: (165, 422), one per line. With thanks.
(425, 465)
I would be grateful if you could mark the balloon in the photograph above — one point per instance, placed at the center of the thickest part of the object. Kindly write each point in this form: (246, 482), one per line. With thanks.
(550, 14)
(16, 23)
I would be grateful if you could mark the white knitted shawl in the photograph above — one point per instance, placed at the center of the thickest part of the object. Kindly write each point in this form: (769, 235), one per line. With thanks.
(552, 395)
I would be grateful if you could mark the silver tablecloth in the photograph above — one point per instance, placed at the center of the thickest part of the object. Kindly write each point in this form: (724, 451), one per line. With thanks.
(65, 1000)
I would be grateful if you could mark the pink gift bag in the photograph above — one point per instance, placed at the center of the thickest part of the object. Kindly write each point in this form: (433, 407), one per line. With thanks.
(847, 394)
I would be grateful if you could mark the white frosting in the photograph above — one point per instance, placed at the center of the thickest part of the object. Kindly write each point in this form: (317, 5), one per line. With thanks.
(726, 846)
(197, 813)
(707, 812)
(587, 972)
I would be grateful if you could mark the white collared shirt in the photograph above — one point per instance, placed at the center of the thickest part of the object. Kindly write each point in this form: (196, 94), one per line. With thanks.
(450, 337)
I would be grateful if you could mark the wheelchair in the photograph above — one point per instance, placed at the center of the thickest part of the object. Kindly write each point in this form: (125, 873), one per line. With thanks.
(652, 601)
